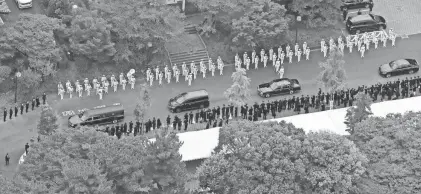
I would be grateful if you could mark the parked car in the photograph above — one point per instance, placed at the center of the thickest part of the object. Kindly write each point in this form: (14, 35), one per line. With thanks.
(99, 116)
(189, 101)
(365, 23)
(398, 67)
(279, 87)
(356, 4)
(23, 4)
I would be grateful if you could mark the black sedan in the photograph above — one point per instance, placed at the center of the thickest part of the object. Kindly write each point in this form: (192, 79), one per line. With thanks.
(398, 67)
(279, 87)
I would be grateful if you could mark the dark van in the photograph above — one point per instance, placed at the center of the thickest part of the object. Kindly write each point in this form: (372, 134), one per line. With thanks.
(98, 116)
(189, 100)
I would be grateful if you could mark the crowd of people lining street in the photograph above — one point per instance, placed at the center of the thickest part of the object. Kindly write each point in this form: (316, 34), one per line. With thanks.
(218, 116)
(24, 107)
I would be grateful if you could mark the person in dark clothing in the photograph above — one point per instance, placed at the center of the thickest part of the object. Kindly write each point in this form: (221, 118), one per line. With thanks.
(158, 124)
(37, 101)
(10, 113)
(130, 126)
(107, 130)
(125, 128)
(207, 125)
(7, 158)
(4, 114)
(21, 109)
(226, 121)
(112, 131)
(174, 124)
(26, 148)
(220, 123)
(196, 117)
(306, 107)
(118, 134)
(154, 123)
(323, 106)
(191, 118)
(186, 122)
(26, 106)
(168, 120)
(16, 110)
(44, 98)
(215, 124)
(33, 103)
(179, 124)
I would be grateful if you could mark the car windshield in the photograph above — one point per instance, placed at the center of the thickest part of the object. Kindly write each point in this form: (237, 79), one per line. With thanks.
(180, 99)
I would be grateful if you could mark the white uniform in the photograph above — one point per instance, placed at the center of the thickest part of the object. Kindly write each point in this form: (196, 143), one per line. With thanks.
(204, 72)
(270, 54)
(262, 55)
(123, 83)
(253, 56)
(106, 85)
(115, 84)
(256, 62)
(277, 65)
(157, 72)
(290, 54)
(281, 72)
(148, 75)
(296, 47)
(61, 93)
(150, 81)
(160, 77)
(190, 78)
(282, 56)
(212, 69)
(220, 66)
(362, 50)
(169, 77)
(265, 60)
(274, 59)
(248, 63)
(322, 45)
(304, 46)
(299, 53)
(132, 82)
(307, 53)
(88, 88)
(177, 75)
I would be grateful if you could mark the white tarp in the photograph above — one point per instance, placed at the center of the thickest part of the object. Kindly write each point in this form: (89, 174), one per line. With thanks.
(200, 144)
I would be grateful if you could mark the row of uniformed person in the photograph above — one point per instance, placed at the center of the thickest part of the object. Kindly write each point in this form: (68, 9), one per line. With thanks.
(15, 110)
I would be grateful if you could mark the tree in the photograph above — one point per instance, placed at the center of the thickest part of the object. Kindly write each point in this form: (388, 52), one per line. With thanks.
(4, 72)
(239, 92)
(32, 38)
(359, 112)
(135, 24)
(265, 24)
(164, 167)
(320, 13)
(392, 145)
(333, 76)
(143, 103)
(65, 163)
(48, 123)
(278, 158)
(90, 36)
(9, 187)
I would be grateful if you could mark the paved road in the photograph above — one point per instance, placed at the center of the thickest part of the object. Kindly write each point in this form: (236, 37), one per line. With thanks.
(360, 72)
(15, 11)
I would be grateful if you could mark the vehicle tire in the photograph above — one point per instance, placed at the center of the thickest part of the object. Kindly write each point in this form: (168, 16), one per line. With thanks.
(202, 106)
(267, 95)
(388, 75)
(291, 92)
(177, 110)
(115, 121)
(411, 71)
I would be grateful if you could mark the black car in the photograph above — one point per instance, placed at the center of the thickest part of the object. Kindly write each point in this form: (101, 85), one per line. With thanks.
(365, 23)
(279, 87)
(98, 116)
(189, 100)
(398, 67)
(356, 4)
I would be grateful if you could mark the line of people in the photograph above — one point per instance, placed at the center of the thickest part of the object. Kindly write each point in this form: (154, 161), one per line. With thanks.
(14, 110)
(99, 85)
(189, 73)
(218, 116)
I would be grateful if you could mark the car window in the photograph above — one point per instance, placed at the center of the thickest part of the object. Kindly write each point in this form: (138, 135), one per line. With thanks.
(180, 99)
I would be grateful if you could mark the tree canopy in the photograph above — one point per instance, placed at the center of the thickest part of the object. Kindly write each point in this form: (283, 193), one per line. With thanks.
(239, 92)
(317, 13)
(359, 112)
(278, 158)
(48, 122)
(332, 76)
(83, 160)
(393, 147)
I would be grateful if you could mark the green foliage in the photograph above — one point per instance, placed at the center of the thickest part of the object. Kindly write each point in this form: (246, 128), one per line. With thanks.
(4, 72)
(84, 161)
(278, 158)
(90, 36)
(333, 76)
(32, 39)
(359, 112)
(58, 8)
(393, 147)
(9, 187)
(317, 13)
(264, 24)
(143, 104)
(47, 124)
(239, 92)
(136, 23)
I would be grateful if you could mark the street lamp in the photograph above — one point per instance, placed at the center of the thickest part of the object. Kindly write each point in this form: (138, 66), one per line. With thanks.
(17, 75)
(296, 28)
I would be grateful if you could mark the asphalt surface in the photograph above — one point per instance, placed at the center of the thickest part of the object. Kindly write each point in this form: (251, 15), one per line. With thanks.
(15, 11)
(360, 71)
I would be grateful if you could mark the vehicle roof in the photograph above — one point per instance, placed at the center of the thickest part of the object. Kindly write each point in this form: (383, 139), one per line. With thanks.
(103, 110)
(361, 18)
(197, 93)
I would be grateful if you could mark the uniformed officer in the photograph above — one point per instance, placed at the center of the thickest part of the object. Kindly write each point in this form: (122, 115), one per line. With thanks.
(21, 109)
(26, 106)
(16, 110)
(37, 101)
(4, 114)
(10, 113)
(44, 98)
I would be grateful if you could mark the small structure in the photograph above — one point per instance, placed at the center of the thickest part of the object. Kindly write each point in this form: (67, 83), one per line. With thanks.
(3, 7)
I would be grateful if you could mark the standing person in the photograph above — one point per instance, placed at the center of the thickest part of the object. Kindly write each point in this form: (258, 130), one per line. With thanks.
(307, 52)
(190, 78)
(4, 114)
(299, 53)
(282, 56)
(21, 109)
(26, 106)
(44, 98)
(37, 101)
(256, 62)
(160, 77)
(10, 113)
(265, 60)
(33, 103)
(7, 158)
(16, 110)
(362, 50)
(186, 123)
(290, 54)
(26, 148)
(281, 72)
